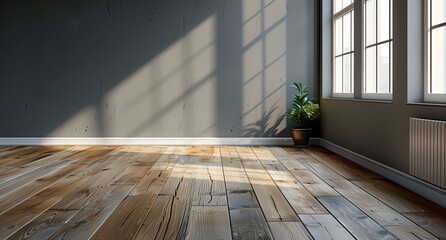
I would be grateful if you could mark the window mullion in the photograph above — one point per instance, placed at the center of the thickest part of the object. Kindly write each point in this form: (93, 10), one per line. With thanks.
(390, 49)
(430, 48)
(376, 48)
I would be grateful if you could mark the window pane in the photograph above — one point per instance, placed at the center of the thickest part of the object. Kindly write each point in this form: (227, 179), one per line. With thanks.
(352, 71)
(337, 6)
(346, 74)
(370, 22)
(370, 70)
(438, 11)
(353, 29)
(383, 20)
(338, 75)
(391, 20)
(438, 77)
(338, 36)
(347, 38)
(345, 3)
(384, 68)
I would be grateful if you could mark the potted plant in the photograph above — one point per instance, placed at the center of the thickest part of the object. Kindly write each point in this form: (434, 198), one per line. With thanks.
(304, 111)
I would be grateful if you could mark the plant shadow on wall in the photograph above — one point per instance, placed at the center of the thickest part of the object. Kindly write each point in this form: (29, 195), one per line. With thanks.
(265, 126)
(148, 68)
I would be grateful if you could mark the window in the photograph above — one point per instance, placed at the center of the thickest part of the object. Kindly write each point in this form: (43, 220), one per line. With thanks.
(377, 75)
(435, 86)
(343, 35)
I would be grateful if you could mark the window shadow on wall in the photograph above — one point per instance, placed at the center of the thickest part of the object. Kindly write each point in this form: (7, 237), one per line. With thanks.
(144, 68)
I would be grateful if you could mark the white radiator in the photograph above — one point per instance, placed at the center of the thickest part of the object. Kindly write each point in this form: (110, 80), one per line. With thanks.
(428, 150)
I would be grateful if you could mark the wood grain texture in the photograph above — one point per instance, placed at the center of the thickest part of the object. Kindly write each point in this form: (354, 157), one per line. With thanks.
(249, 223)
(353, 219)
(289, 230)
(44, 225)
(394, 196)
(209, 187)
(274, 205)
(325, 226)
(176, 196)
(126, 219)
(346, 169)
(209, 222)
(208, 192)
(17, 217)
(374, 208)
(315, 185)
(239, 190)
(317, 167)
(409, 233)
(433, 222)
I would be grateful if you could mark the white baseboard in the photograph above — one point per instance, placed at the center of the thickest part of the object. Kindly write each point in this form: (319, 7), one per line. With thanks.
(148, 141)
(425, 189)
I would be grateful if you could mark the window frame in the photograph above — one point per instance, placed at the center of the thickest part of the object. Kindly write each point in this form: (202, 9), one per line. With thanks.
(430, 97)
(376, 44)
(334, 16)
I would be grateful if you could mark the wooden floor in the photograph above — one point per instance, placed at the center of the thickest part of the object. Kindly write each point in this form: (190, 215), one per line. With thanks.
(195, 192)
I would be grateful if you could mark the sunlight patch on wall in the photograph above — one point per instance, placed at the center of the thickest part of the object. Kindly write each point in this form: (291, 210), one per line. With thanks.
(264, 67)
(172, 94)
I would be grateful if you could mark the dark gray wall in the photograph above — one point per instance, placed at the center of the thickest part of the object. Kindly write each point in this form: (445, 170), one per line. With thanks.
(152, 68)
(379, 130)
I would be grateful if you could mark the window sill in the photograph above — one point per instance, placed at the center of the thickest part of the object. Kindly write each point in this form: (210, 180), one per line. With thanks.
(428, 104)
(358, 100)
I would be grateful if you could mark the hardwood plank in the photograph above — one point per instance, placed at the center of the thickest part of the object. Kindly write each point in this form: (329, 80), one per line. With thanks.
(374, 208)
(273, 203)
(17, 217)
(8, 151)
(44, 225)
(394, 196)
(432, 222)
(150, 155)
(156, 224)
(249, 223)
(286, 159)
(409, 233)
(289, 230)
(317, 167)
(209, 187)
(18, 161)
(315, 185)
(298, 197)
(177, 187)
(354, 220)
(15, 173)
(253, 168)
(131, 175)
(98, 176)
(22, 194)
(325, 226)
(85, 222)
(16, 197)
(209, 222)
(19, 182)
(148, 192)
(345, 168)
(23, 152)
(239, 189)
(130, 214)
(177, 215)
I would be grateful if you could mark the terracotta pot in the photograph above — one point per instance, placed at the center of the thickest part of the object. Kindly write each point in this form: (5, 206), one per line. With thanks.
(301, 136)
